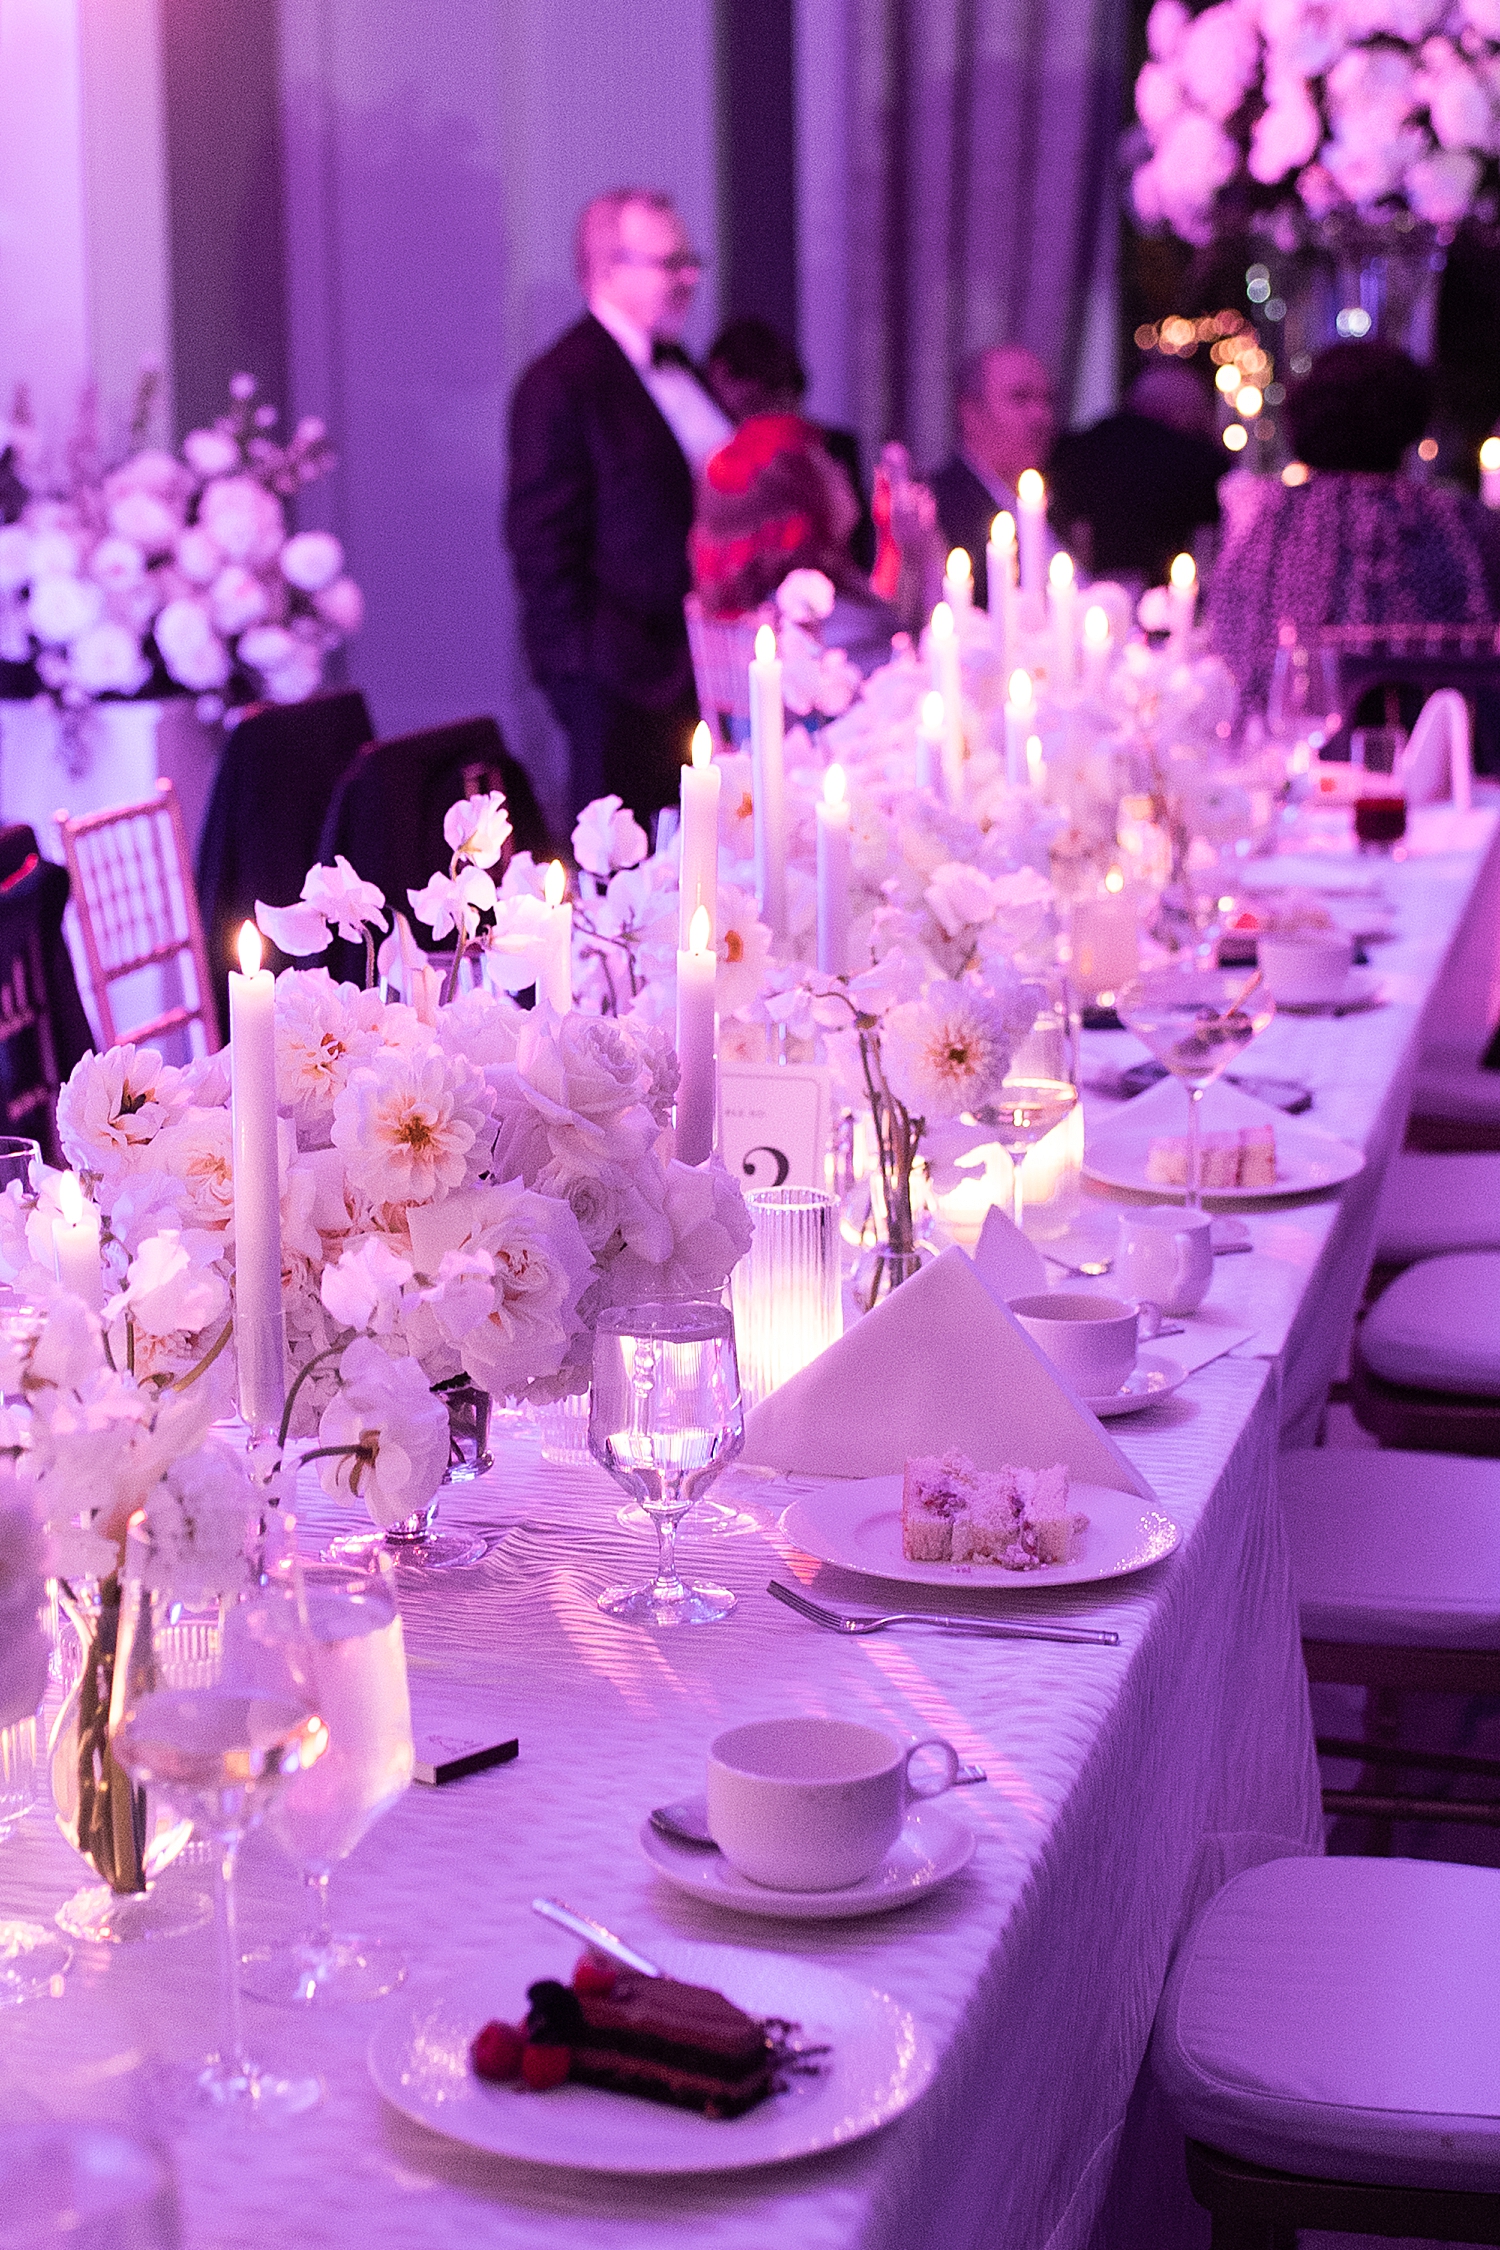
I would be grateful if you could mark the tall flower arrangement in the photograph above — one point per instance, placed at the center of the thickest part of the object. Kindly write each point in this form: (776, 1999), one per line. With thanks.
(1319, 110)
(178, 572)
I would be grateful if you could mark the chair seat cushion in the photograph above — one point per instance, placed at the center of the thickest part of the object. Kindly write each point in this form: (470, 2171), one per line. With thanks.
(1451, 1083)
(1336, 2018)
(1437, 1328)
(1394, 1549)
(1432, 1204)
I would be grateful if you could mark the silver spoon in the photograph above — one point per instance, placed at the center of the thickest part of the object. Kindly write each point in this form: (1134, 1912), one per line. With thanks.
(595, 1934)
(1092, 1269)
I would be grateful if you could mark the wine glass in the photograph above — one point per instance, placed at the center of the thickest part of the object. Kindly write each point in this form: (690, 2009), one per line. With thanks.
(1025, 1110)
(213, 1707)
(359, 1683)
(17, 1155)
(1304, 704)
(1197, 1021)
(664, 1418)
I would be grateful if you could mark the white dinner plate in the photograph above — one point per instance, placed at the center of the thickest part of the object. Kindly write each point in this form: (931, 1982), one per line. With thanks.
(879, 2061)
(1361, 989)
(1155, 1375)
(856, 1523)
(930, 1850)
(1306, 1160)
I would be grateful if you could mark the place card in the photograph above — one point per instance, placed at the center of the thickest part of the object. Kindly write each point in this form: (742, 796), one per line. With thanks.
(774, 1123)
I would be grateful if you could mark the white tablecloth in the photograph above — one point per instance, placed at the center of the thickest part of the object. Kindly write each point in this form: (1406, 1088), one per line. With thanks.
(1125, 1784)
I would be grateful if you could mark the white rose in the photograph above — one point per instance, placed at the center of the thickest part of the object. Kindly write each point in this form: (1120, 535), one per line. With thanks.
(117, 565)
(1460, 108)
(266, 646)
(311, 560)
(62, 608)
(1441, 188)
(1303, 36)
(243, 518)
(341, 605)
(55, 553)
(1483, 15)
(236, 600)
(1367, 160)
(190, 648)
(1158, 98)
(211, 453)
(1145, 194)
(1286, 134)
(1219, 59)
(196, 556)
(295, 680)
(107, 660)
(151, 522)
(1194, 161)
(1371, 90)
(1166, 28)
(1403, 19)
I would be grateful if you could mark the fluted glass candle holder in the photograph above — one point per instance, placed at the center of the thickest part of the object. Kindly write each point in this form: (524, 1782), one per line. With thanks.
(786, 1287)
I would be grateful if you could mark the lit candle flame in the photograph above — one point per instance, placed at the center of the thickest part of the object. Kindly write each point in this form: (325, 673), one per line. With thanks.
(70, 1198)
(1114, 880)
(1020, 690)
(1030, 490)
(765, 645)
(1489, 453)
(1096, 627)
(932, 713)
(250, 949)
(698, 931)
(834, 786)
(1060, 571)
(942, 623)
(1003, 529)
(1184, 572)
(555, 883)
(703, 746)
(959, 568)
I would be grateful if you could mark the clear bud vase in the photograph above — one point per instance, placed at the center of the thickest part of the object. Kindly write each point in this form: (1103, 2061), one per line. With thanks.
(896, 1253)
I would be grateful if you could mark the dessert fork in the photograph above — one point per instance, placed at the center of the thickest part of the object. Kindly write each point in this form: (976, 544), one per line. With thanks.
(834, 1621)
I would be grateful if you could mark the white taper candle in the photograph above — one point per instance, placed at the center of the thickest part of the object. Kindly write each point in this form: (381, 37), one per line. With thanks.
(767, 781)
(834, 858)
(75, 1243)
(698, 877)
(259, 1327)
(555, 970)
(697, 1042)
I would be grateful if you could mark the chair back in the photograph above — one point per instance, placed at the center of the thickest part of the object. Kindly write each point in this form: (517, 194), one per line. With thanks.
(387, 813)
(1465, 658)
(138, 910)
(721, 650)
(30, 1076)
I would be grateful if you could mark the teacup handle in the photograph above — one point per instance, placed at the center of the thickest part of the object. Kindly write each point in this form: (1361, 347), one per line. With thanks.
(946, 1780)
(1149, 1317)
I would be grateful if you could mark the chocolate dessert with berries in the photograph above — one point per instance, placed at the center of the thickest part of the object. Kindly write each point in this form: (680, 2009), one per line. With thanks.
(612, 2027)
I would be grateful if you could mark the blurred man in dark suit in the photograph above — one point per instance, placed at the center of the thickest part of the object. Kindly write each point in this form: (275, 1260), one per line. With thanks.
(1129, 493)
(607, 431)
(1007, 420)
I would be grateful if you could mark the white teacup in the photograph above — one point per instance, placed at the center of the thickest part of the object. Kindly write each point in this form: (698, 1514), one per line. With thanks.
(1091, 1340)
(813, 1804)
(1166, 1254)
(1308, 969)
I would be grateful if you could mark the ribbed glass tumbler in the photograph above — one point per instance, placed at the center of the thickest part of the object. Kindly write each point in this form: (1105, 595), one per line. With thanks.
(786, 1287)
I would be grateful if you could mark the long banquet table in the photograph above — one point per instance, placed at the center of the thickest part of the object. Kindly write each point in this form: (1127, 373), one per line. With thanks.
(1124, 1785)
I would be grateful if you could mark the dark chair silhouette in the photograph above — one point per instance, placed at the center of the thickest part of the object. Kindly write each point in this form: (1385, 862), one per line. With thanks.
(387, 814)
(1390, 670)
(276, 780)
(43, 1028)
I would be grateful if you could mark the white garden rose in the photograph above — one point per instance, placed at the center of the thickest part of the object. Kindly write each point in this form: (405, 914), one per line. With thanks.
(1302, 36)
(148, 520)
(107, 660)
(542, 1265)
(1441, 187)
(341, 605)
(62, 608)
(295, 680)
(113, 1105)
(1463, 116)
(409, 1126)
(242, 518)
(190, 648)
(267, 646)
(1286, 134)
(117, 565)
(311, 560)
(1166, 28)
(1368, 161)
(1400, 19)
(197, 557)
(947, 1052)
(1218, 59)
(211, 453)
(1195, 159)
(1158, 98)
(237, 599)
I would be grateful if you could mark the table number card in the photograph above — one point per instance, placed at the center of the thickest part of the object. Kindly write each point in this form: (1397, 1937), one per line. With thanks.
(774, 1123)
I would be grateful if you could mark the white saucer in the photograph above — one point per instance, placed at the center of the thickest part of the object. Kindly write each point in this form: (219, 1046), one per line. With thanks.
(930, 1849)
(1360, 989)
(1155, 1375)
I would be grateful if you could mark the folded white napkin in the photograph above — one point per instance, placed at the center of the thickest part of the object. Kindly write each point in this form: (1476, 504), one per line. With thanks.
(1008, 1263)
(1438, 761)
(939, 1363)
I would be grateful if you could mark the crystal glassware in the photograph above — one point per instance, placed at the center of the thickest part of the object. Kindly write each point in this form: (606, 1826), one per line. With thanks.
(214, 1709)
(359, 1683)
(786, 1287)
(664, 1418)
(33, 1959)
(1039, 1090)
(17, 1155)
(1304, 705)
(1197, 1021)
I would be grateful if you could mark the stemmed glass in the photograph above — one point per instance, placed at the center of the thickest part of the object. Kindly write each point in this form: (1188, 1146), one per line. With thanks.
(32, 1957)
(1038, 1092)
(664, 1418)
(214, 1708)
(1304, 704)
(359, 1682)
(1196, 1021)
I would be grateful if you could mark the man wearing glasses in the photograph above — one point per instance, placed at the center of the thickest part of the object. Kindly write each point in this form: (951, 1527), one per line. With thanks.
(607, 432)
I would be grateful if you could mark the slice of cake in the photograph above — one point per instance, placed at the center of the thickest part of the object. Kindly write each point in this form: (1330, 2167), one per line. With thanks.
(933, 1494)
(991, 1518)
(1013, 1518)
(1258, 1156)
(1245, 1158)
(1050, 1521)
(684, 2044)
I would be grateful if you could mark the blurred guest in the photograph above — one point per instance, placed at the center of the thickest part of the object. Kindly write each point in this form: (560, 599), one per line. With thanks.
(1130, 492)
(607, 430)
(1007, 421)
(774, 500)
(1355, 542)
(753, 369)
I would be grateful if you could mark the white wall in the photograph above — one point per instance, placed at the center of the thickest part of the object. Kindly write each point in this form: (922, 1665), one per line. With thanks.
(436, 158)
(84, 283)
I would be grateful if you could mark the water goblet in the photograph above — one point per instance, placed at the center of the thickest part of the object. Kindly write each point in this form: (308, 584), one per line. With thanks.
(1197, 1021)
(1304, 704)
(1025, 1110)
(664, 1418)
(213, 1707)
(359, 1682)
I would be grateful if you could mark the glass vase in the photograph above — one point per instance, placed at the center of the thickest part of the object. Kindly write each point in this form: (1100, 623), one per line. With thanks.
(1351, 279)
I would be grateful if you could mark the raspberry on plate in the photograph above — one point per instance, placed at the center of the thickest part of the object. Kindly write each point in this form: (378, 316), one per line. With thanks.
(497, 2051)
(543, 2067)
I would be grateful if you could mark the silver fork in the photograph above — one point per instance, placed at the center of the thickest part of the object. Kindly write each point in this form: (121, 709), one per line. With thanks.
(834, 1621)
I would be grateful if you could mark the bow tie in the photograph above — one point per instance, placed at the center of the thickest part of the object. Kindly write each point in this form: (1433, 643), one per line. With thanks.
(665, 354)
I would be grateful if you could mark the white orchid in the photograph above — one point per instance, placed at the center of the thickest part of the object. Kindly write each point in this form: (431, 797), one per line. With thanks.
(477, 829)
(607, 836)
(388, 1432)
(454, 902)
(333, 898)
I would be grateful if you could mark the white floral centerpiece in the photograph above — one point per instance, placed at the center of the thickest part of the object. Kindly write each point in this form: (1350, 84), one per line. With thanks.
(178, 573)
(1371, 109)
